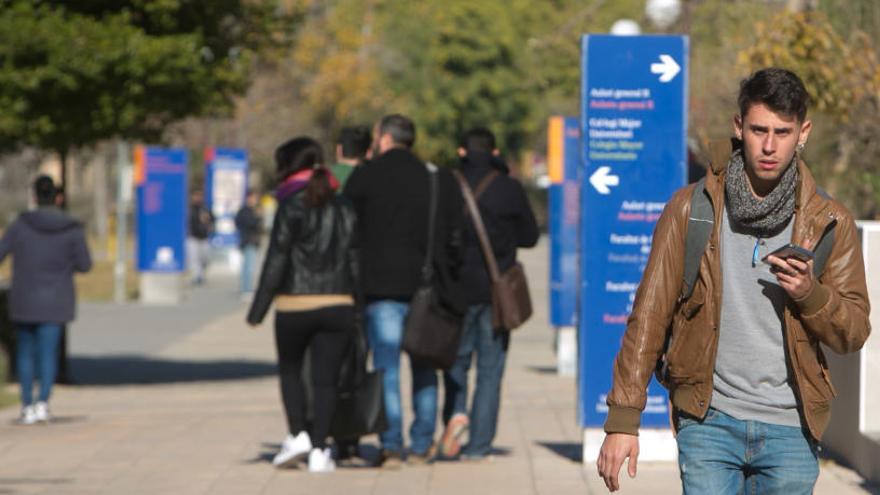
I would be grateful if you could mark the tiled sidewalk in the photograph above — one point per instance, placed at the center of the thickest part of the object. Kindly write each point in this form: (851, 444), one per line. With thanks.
(202, 415)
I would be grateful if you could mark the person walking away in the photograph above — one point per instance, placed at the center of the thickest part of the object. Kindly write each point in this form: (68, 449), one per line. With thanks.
(351, 151)
(249, 224)
(748, 381)
(510, 224)
(390, 196)
(311, 274)
(198, 247)
(47, 247)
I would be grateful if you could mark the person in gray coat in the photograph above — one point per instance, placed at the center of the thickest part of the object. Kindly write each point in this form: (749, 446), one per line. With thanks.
(47, 247)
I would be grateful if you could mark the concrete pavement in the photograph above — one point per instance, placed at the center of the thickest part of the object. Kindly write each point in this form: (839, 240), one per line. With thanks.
(185, 401)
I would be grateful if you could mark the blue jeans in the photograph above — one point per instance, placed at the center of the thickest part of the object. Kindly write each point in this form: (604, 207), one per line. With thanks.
(36, 342)
(724, 455)
(248, 262)
(490, 346)
(384, 321)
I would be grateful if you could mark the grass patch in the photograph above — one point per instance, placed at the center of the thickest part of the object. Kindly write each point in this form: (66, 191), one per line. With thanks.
(8, 396)
(97, 285)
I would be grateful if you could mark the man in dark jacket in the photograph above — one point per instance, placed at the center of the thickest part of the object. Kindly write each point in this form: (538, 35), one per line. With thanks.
(510, 223)
(391, 199)
(249, 224)
(201, 226)
(47, 247)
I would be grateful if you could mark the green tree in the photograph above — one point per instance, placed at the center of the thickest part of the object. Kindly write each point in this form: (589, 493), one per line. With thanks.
(843, 79)
(456, 64)
(75, 73)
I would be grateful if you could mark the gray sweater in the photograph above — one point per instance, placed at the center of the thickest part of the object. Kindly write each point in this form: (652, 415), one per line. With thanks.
(751, 376)
(47, 248)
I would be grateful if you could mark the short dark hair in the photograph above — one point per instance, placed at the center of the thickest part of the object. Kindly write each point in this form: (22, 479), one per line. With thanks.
(355, 141)
(297, 154)
(400, 128)
(44, 190)
(478, 139)
(780, 89)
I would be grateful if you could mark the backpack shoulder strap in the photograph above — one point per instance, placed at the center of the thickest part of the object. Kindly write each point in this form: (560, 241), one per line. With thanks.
(700, 223)
(826, 243)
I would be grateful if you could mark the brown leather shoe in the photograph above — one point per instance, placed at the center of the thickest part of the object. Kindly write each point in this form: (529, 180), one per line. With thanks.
(418, 459)
(389, 459)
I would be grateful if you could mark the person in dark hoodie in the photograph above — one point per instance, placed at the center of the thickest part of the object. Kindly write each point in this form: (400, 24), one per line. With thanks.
(47, 247)
(510, 224)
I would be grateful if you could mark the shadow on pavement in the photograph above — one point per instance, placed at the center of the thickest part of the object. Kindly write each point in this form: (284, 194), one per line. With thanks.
(543, 370)
(571, 451)
(139, 370)
(6, 483)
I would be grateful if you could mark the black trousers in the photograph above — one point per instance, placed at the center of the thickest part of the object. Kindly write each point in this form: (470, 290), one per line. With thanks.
(327, 333)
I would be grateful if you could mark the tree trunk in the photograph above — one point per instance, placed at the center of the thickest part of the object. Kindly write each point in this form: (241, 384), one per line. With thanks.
(99, 197)
(62, 186)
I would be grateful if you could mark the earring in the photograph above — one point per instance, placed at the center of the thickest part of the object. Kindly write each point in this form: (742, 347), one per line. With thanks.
(800, 147)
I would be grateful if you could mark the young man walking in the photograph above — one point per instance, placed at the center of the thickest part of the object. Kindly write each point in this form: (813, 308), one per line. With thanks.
(47, 248)
(510, 224)
(390, 196)
(749, 384)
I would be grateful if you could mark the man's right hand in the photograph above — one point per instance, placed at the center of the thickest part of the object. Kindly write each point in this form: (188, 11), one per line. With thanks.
(615, 449)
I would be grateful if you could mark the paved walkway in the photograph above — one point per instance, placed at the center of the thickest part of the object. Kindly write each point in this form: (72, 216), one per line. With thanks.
(185, 401)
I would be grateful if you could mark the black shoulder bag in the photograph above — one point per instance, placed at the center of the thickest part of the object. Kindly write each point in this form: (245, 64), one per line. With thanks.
(432, 332)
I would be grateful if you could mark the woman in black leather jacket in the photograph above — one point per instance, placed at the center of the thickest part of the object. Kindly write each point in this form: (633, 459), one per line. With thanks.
(310, 273)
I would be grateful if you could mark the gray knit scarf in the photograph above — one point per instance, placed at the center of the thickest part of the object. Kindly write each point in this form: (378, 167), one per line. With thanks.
(763, 217)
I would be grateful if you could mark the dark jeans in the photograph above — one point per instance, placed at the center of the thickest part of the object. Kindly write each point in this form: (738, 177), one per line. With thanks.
(327, 333)
(490, 348)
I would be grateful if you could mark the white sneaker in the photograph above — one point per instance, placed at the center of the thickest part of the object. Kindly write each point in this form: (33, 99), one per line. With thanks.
(28, 416)
(321, 461)
(293, 450)
(41, 411)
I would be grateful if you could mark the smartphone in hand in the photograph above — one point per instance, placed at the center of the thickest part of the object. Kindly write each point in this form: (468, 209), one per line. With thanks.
(791, 251)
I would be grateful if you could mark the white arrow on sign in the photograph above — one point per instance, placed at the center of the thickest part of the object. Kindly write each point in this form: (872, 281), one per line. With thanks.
(668, 68)
(601, 180)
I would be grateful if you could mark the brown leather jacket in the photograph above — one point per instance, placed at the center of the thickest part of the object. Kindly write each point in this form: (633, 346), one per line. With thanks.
(834, 313)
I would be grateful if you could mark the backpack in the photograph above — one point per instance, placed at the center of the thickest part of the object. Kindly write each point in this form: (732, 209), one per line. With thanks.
(700, 223)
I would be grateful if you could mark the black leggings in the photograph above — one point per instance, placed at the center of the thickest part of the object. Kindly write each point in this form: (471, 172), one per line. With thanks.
(327, 333)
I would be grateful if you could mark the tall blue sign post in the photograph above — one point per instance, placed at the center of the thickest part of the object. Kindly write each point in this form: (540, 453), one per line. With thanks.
(564, 164)
(225, 189)
(161, 182)
(634, 126)
(564, 167)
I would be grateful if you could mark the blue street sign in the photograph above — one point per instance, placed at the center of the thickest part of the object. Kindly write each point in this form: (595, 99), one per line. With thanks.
(564, 164)
(225, 191)
(634, 126)
(161, 180)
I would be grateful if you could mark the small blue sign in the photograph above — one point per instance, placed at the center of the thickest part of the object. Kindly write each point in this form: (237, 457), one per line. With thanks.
(161, 180)
(564, 162)
(226, 185)
(634, 126)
